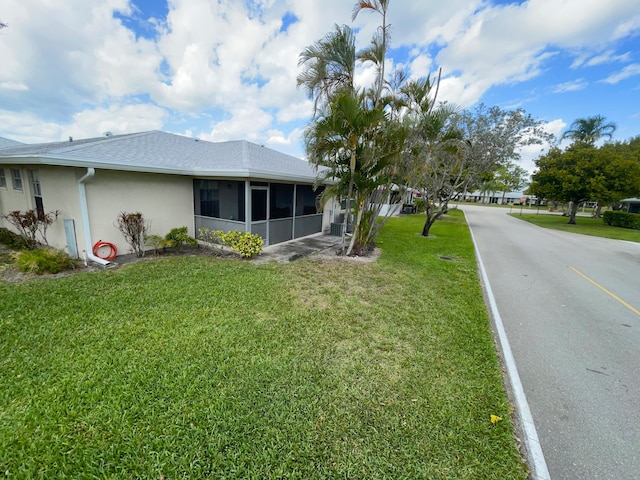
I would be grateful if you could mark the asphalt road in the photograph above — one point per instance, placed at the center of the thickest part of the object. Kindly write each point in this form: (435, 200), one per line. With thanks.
(570, 305)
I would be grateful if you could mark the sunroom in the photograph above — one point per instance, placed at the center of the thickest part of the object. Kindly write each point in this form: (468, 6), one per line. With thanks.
(276, 211)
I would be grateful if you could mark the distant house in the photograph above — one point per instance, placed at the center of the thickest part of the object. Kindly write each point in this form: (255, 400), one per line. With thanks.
(172, 180)
(631, 205)
(501, 198)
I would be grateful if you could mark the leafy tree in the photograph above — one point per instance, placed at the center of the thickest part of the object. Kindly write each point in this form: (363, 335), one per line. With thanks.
(436, 158)
(495, 138)
(589, 130)
(464, 148)
(510, 178)
(620, 175)
(562, 176)
(583, 172)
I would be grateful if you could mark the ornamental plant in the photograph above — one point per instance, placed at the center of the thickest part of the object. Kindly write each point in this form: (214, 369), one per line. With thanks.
(247, 245)
(48, 260)
(31, 223)
(177, 237)
(134, 230)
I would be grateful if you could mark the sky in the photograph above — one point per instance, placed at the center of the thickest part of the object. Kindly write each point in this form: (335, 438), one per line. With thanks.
(225, 70)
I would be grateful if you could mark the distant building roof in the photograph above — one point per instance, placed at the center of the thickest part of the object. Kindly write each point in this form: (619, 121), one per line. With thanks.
(161, 152)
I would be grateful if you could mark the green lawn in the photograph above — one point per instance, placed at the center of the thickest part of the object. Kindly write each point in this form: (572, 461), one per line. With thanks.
(197, 367)
(584, 225)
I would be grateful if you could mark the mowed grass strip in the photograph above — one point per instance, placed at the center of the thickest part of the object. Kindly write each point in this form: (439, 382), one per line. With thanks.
(584, 225)
(197, 367)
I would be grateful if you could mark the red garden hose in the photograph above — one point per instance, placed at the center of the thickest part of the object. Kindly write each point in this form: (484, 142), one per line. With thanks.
(112, 250)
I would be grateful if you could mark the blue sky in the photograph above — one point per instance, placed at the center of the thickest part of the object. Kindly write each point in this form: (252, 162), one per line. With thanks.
(226, 69)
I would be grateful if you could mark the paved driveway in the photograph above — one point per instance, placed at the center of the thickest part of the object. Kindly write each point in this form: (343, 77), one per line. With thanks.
(570, 305)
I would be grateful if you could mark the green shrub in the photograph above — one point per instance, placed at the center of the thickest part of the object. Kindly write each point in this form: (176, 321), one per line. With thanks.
(247, 245)
(156, 242)
(40, 261)
(619, 218)
(177, 237)
(12, 240)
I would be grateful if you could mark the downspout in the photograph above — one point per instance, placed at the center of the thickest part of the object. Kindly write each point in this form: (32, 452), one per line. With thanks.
(85, 219)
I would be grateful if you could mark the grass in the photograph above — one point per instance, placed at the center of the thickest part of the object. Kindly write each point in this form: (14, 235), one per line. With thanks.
(197, 367)
(584, 225)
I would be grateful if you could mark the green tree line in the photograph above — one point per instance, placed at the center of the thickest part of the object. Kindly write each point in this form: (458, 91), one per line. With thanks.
(586, 172)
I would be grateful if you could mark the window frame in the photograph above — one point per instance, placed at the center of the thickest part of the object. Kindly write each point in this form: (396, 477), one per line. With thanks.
(16, 180)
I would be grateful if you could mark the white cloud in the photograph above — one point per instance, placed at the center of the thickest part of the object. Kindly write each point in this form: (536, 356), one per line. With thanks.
(572, 86)
(218, 62)
(587, 59)
(628, 71)
(29, 128)
(17, 86)
(530, 153)
(117, 119)
(246, 123)
(627, 28)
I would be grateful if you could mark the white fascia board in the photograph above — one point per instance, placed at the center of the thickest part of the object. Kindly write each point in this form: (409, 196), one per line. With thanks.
(64, 161)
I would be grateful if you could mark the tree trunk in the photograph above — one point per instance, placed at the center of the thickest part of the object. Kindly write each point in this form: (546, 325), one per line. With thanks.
(430, 220)
(598, 211)
(572, 212)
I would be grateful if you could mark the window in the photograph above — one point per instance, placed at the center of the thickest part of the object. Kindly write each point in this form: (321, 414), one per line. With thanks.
(3, 179)
(17, 179)
(219, 199)
(37, 191)
(281, 196)
(307, 200)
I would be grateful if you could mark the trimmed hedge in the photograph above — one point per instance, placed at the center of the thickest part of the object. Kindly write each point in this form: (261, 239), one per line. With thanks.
(619, 218)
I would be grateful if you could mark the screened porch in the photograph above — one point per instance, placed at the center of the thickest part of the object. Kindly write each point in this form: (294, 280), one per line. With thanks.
(276, 211)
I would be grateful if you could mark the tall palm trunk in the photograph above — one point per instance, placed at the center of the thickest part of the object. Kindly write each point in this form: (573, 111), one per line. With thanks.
(347, 212)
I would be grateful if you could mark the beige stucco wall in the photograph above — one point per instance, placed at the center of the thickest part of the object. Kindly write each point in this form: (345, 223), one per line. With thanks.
(166, 201)
(11, 199)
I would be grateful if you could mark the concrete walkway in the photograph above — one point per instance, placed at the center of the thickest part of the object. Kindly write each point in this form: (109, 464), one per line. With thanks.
(292, 250)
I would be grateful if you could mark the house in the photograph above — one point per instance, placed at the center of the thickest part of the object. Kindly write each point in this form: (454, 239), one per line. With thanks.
(171, 179)
(500, 198)
(631, 205)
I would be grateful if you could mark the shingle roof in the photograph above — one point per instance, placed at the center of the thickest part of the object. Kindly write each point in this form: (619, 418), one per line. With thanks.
(6, 143)
(162, 152)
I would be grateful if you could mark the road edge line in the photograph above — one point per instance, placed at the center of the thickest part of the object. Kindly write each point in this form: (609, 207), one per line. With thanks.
(538, 464)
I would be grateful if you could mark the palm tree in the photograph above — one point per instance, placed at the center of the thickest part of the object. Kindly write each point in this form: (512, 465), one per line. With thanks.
(330, 65)
(351, 133)
(377, 51)
(589, 130)
(340, 139)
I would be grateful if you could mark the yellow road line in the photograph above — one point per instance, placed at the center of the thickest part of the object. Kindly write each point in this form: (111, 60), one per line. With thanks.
(612, 295)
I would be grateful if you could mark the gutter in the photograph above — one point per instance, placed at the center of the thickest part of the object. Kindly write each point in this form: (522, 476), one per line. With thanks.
(85, 218)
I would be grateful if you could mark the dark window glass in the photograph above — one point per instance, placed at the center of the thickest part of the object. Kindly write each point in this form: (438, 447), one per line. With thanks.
(258, 205)
(3, 179)
(17, 179)
(281, 200)
(208, 198)
(307, 200)
(219, 199)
